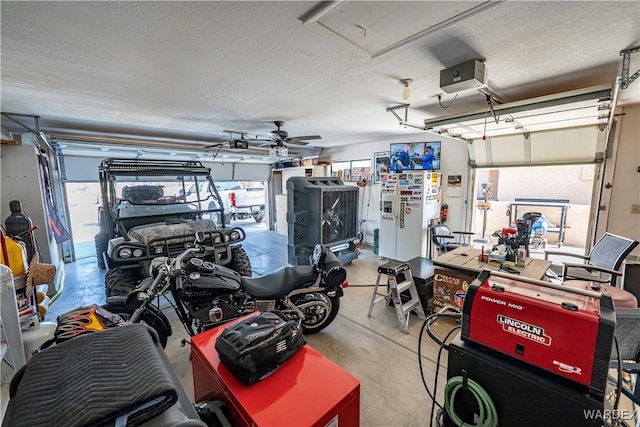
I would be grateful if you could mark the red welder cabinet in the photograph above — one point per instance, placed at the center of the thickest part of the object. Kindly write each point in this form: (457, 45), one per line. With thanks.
(562, 330)
(308, 390)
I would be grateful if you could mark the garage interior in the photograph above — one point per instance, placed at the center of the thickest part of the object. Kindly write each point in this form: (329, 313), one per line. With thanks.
(531, 102)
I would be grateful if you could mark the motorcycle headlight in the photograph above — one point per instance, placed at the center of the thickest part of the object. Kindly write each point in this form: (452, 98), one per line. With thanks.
(226, 237)
(235, 235)
(138, 253)
(124, 253)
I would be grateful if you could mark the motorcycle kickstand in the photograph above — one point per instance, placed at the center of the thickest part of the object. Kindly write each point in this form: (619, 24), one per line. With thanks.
(185, 342)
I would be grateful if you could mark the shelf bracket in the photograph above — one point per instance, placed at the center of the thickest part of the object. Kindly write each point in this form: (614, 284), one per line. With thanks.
(404, 122)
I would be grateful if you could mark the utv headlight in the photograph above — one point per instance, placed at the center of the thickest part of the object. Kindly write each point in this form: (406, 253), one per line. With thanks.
(124, 253)
(138, 253)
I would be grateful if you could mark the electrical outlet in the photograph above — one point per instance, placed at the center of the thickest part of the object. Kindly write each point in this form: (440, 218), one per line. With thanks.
(635, 209)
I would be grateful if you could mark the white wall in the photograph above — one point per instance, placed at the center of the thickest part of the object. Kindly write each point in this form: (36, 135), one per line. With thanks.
(454, 158)
(625, 185)
(21, 181)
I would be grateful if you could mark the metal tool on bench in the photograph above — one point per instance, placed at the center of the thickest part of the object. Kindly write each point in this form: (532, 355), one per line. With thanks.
(392, 270)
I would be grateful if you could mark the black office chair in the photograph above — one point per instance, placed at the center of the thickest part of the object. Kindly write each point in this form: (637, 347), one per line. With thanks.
(444, 239)
(603, 263)
(627, 356)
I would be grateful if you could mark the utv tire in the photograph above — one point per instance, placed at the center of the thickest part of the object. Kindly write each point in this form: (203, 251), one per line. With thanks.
(102, 241)
(258, 217)
(148, 318)
(240, 261)
(118, 281)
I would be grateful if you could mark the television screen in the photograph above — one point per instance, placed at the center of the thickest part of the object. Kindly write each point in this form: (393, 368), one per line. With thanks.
(415, 156)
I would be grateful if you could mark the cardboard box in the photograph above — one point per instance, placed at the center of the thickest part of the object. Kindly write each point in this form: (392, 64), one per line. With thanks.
(450, 287)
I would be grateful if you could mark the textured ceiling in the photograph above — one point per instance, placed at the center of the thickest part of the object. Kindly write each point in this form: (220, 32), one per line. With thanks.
(185, 72)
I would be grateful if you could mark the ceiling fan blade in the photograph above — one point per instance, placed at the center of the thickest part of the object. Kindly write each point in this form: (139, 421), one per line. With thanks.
(306, 137)
(301, 140)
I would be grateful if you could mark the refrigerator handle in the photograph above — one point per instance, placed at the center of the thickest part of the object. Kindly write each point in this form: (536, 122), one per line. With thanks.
(396, 205)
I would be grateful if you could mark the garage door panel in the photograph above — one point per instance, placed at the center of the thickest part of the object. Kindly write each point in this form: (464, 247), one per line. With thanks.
(573, 145)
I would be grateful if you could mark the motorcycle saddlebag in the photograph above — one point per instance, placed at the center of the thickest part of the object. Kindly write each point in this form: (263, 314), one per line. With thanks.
(255, 347)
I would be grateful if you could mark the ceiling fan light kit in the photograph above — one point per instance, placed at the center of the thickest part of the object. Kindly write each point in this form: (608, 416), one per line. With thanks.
(277, 151)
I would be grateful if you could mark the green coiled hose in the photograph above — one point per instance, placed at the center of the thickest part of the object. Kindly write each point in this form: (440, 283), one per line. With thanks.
(488, 416)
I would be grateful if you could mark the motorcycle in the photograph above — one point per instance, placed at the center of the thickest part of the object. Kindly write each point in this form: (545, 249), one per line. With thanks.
(205, 295)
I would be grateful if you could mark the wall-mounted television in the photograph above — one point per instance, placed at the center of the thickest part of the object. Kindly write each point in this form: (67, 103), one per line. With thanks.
(415, 156)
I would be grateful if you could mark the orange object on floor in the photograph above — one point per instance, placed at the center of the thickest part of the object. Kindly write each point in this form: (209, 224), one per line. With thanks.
(620, 297)
(308, 390)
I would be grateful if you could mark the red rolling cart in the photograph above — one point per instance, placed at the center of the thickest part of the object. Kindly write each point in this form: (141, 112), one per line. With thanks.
(308, 390)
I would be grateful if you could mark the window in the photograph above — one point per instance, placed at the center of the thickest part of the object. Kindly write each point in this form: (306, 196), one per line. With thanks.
(352, 170)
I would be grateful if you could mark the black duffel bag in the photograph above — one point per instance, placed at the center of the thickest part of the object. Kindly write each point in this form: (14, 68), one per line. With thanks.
(255, 347)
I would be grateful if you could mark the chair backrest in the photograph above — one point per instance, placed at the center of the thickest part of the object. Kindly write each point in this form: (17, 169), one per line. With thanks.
(440, 230)
(610, 250)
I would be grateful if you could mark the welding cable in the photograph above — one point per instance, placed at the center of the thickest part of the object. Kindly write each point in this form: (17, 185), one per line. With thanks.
(435, 375)
(426, 327)
(488, 416)
(619, 382)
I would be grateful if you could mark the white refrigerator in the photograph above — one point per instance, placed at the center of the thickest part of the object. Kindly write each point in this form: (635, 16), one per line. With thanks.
(408, 202)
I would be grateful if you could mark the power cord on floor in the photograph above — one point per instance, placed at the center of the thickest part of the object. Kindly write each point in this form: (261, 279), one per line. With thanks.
(455, 314)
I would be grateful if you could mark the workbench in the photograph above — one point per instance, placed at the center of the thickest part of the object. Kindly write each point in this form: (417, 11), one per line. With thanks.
(466, 258)
(456, 270)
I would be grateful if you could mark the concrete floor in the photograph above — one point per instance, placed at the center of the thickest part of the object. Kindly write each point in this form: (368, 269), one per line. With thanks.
(372, 349)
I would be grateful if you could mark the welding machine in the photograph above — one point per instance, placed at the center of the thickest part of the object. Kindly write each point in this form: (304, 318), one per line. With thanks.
(563, 330)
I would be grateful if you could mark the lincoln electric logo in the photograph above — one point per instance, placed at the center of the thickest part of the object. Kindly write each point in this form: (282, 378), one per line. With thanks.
(524, 330)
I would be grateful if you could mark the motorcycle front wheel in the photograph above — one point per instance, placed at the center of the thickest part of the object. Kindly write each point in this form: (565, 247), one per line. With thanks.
(319, 310)
(148, 318)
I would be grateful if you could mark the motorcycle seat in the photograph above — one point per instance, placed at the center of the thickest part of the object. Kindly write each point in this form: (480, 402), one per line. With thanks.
(279, 283)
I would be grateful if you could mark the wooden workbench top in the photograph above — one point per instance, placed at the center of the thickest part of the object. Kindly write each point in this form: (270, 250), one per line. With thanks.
(466, 258)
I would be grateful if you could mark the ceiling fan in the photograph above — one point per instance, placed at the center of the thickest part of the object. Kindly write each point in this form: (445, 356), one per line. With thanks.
(280, 137)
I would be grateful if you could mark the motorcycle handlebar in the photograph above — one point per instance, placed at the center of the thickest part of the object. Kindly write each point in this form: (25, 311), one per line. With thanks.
(177, 262)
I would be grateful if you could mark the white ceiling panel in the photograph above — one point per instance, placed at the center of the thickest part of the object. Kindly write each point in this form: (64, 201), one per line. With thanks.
(178, 74)
(376, 28)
